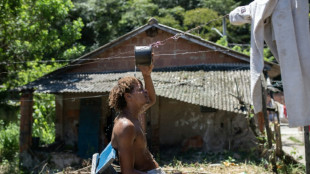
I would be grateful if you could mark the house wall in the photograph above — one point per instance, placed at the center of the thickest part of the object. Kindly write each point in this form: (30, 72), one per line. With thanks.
(168, 123)
(279, 97)
(67, 118)
(121, 56)
(181, 122)
(187, 119)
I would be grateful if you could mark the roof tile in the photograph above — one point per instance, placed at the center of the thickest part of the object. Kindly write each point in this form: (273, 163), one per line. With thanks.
(215, 89)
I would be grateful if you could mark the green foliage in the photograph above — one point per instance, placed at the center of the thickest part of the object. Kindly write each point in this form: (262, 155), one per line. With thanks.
(244, 50)
(44, 118)
(291, 168)
(201, 16)
(240, 34)
(32, 31)
(44, 104)
(9, 141)
(33, 72)
(138, 12)
(268, 55)
(36, 30)
(244, 2)
(178, 13)
(100, 18)
(222, 7)
(189, 4)
(186, 4)
(171, 17)
(222, 41)
(169, 20)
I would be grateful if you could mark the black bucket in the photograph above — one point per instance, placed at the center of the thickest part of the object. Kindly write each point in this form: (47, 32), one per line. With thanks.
(143, 55)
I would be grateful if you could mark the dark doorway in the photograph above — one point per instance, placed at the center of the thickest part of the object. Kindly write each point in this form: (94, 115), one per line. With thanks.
(88, 141)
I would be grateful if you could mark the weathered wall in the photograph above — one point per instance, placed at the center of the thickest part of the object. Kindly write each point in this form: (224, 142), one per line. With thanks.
(71, 118)
(179, 119)
(67, 118)
(220, 129)
(168, 123)
(279, 97)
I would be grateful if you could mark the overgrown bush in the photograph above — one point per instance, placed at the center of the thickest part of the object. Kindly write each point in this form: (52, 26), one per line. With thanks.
(9, 141)
(44, 118)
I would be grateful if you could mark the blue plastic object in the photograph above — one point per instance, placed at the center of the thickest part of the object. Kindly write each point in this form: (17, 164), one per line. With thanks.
(106, 157)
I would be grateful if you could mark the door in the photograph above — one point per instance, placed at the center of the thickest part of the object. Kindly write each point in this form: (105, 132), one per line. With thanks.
(88, 140)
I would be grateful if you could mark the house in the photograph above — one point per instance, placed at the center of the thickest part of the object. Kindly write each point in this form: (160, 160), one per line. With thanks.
(203, 90)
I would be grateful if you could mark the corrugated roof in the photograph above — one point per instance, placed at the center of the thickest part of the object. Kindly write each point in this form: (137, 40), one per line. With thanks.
(224, 90)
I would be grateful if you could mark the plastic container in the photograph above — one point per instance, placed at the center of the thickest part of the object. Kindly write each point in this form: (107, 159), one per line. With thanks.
(143, 55)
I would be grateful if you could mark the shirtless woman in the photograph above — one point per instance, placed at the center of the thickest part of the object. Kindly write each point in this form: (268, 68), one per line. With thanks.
(130, 99)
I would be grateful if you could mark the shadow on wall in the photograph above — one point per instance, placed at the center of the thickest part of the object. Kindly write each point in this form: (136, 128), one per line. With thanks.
(230, 132)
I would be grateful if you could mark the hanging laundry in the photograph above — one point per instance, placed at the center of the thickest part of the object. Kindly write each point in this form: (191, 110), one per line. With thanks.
(284, 26)
(280, 109)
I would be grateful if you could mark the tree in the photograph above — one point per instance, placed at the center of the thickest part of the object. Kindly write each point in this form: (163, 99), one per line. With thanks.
(100, 18)
(221, 6)
(186, 4)
(244, 2)
(138, 12)
(172, 17)
(34, 30)
(200, 17)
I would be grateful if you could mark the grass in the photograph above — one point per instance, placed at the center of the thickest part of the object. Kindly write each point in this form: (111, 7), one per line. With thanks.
(173, 161)
(197, 162)
(295, 140)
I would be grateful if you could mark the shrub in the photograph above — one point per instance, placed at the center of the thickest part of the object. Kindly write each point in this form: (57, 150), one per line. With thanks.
(9, 141)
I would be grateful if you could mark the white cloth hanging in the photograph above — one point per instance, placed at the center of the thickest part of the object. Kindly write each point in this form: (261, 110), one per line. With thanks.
(258, 14)
(284, 25)
(280, 110)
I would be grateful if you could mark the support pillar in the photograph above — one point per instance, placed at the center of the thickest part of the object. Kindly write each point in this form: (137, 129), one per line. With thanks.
(59, 120)
(26, 110)
(266, 121)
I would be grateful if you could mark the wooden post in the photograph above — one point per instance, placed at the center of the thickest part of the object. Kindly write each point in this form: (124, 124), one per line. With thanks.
(268, 130)
(307, 149)
(260, 118)
(25, 121)
(59, 120)
(278, 139)
(266, 120)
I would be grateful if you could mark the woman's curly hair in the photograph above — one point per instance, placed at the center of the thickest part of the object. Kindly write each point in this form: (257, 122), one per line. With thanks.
(116, 97)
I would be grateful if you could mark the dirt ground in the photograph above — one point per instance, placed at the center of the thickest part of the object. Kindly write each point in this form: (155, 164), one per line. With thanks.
(197, 162)
(173, 161)
(293, 142)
